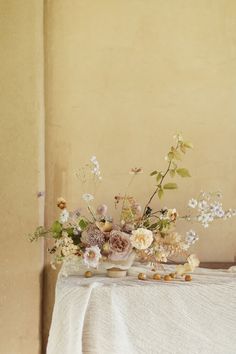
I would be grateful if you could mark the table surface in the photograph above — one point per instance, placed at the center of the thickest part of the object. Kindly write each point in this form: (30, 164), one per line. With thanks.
(100, 315)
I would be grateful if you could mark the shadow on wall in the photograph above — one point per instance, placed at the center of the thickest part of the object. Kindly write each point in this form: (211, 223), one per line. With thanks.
(49, 277)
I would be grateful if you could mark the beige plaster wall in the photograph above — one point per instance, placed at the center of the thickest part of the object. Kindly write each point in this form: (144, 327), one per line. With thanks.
(122, 78)
(21, 173)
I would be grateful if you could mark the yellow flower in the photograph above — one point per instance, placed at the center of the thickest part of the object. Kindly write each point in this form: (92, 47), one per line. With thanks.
(104, 226)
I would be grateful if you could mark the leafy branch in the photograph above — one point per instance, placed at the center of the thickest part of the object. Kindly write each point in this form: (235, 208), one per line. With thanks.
(172, 169)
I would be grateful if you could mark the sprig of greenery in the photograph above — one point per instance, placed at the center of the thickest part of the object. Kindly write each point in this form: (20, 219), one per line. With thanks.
(173, 156)
(39, 232)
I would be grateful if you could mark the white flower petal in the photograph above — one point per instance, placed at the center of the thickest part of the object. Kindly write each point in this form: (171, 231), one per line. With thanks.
(141, 238)
(87, 197)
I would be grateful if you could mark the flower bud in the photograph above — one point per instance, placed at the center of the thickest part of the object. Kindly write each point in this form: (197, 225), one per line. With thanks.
(61, 203)
(102, 210)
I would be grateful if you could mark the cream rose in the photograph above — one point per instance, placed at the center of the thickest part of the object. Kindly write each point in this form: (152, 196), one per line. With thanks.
(141, 238)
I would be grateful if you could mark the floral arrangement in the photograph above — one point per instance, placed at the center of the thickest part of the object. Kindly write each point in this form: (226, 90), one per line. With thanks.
(146, 234)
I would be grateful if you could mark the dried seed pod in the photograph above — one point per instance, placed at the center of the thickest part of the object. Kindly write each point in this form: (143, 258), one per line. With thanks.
(142, 276)
(102, 210)
(156, 276)
(88, 274)
(61, 203)
(104, 226)
(187, 277)
(167, 277)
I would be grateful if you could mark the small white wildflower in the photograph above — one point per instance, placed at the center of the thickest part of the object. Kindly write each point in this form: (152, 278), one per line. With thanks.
(210, 217)
(204, 219)
(76, 231)
(87, 197)
(96, 168)
(67, 247)
(185, 246)
(192, 203)
(191, 237)
(215, 207)
(64, 216)
(217, 210)
(219, 195)
(220, 213)
(202, 205)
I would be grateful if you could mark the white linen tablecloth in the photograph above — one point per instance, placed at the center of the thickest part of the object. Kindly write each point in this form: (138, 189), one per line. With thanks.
(100, 315)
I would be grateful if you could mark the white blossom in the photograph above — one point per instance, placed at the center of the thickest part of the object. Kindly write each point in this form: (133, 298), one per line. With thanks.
(185, 246)
(203, 205)
(95, 167)
(87, 197)
(217, 209)
(192, 203)
(191, 237)
(64, 216)
(66, 245)
(141, 238)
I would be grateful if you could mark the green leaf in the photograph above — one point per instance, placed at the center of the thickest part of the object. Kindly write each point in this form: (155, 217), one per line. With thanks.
(76, 239)
(183, 148)
(158, 177)
(174, 165)
(170, 186)
(83, 224)
(146, 223)
(160, 193)
(183, 172)
(153, 173)
(188, 145)
(172, 173)
(164, 224)
(56, 227)
(153, 226)
(171, 155)
(70, 231)
(177, 155)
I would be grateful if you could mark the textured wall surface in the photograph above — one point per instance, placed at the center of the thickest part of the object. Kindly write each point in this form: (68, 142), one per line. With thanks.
(21, 174)
(122, 78)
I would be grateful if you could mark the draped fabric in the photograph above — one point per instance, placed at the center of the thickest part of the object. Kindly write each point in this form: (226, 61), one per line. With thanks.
(100, 315)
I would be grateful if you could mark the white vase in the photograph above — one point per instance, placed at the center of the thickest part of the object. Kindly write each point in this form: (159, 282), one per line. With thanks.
(116, 272)
(118, 268)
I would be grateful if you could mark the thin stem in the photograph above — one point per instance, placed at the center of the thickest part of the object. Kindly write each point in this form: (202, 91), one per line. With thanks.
(157, 188)
(160, 184)
(155, 212)
(126, 192)
(91, 212)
